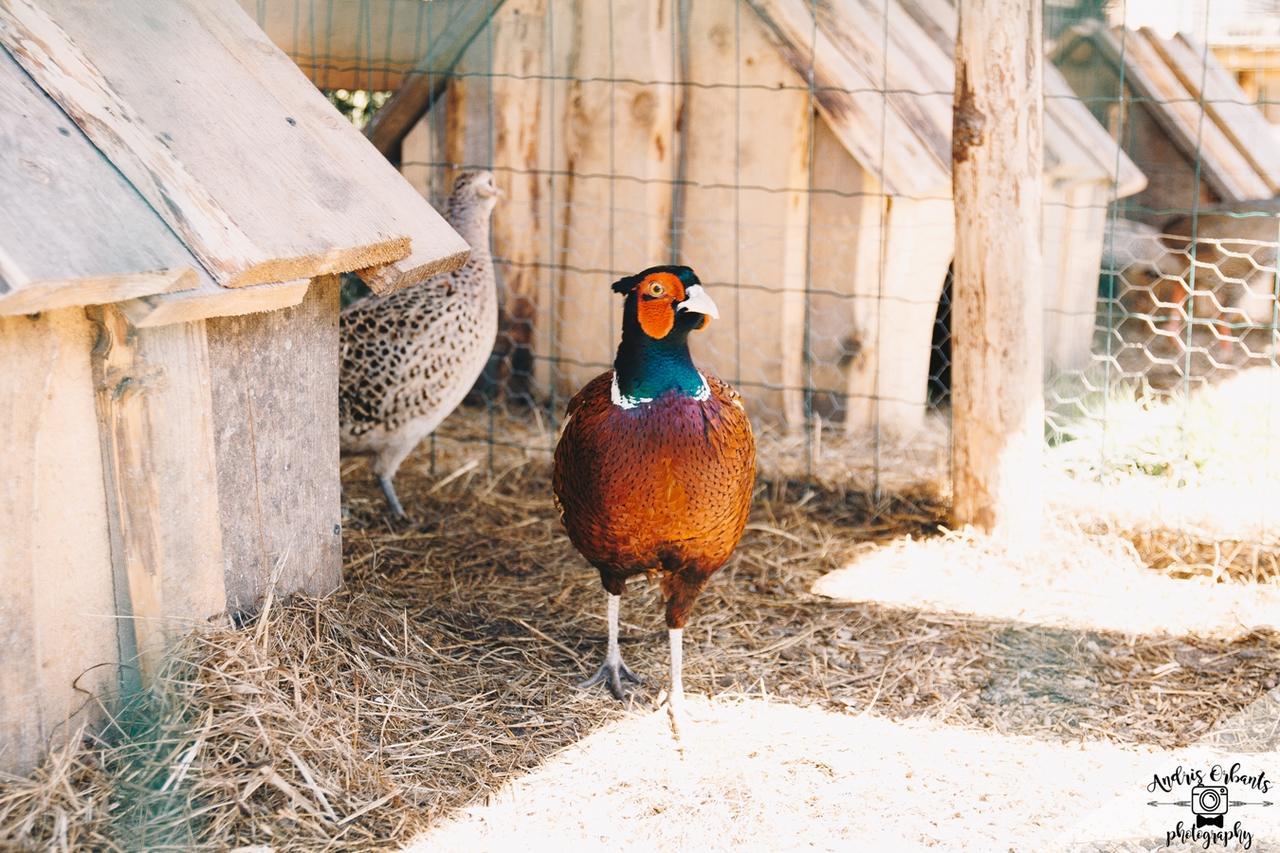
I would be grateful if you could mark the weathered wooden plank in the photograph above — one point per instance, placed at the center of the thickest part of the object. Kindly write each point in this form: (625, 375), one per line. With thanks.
(368, 44)
(619, 180)
(919, 242)
(1073, 234)
(502, 119)
(1082, 145)
(277, 447)
(208, 300)
(997, 315)
(204, 142)
(155, 411)
(445, 35)
(1088, 58)
(745, 213)
(72, 230)
(1224, 100)
(847, 66)
(56, 614)
(422, 155)
(847, 214)
(435, 247)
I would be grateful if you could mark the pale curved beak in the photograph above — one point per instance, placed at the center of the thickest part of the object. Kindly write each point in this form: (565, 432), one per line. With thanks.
(698, 302)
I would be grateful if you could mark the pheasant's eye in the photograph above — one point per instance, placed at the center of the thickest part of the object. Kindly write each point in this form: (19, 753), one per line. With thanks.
(655, 289)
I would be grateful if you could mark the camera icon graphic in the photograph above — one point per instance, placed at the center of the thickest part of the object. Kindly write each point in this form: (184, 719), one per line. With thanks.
(1209, 804)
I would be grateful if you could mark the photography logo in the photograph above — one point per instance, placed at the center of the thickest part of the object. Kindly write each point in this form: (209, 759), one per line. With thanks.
(1210, 800)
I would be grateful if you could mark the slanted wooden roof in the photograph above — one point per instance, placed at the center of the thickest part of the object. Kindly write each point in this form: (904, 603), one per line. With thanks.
(853, 62)
(170, 151)
(1238, 157)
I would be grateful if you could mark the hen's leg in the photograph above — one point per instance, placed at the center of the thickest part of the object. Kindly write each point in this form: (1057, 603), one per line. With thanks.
(613, 670)
(387, 462)
(389, 489)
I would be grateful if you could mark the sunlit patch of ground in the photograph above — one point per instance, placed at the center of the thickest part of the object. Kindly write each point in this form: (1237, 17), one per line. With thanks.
(755, 774)
(1074, 580)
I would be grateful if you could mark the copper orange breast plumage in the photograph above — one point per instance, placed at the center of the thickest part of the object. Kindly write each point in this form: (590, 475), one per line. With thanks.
(661, 485)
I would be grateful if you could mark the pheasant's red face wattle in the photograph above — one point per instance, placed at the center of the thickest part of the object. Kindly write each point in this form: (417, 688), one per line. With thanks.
(657, 297)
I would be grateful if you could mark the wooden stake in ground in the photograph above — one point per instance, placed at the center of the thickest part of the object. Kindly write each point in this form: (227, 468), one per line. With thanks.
(997, 326)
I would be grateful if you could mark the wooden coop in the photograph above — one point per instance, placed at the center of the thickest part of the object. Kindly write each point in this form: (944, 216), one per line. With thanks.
(1254, 61)
(1230, 156)
(176, 200)
(625, 137)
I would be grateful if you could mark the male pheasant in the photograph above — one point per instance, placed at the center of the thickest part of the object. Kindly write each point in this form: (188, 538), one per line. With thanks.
(409, 358)
(655, 464)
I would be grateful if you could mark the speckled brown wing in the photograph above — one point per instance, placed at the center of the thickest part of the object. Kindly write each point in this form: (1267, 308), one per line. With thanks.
(664, 485)
(410, 354)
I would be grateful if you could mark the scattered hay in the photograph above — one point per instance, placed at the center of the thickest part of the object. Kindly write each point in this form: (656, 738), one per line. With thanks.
(826, 455)
(446, 666)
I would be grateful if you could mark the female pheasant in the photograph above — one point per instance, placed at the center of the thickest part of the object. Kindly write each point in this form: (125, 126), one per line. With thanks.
(655, 464)
(408, 359)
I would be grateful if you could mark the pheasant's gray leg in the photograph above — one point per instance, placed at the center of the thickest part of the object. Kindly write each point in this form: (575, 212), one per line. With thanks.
(675, 703)
(389, 489)
(613, 670)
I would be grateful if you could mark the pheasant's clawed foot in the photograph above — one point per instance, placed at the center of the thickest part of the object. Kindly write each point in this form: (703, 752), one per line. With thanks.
(677, 716)
(612, 673)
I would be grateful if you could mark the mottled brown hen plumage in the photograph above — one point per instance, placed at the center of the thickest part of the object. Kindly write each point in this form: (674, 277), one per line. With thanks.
(409, 358)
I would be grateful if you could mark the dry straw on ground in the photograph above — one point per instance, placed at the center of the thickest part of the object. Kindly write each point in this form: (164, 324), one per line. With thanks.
(447, 664)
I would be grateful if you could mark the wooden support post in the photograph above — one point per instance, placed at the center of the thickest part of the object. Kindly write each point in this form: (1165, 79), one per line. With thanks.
(997, 330)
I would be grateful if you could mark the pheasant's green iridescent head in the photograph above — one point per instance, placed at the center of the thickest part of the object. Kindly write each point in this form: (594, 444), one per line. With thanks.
(663, 305)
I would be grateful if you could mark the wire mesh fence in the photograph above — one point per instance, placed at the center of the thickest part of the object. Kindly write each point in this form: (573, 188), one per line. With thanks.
(796, 153)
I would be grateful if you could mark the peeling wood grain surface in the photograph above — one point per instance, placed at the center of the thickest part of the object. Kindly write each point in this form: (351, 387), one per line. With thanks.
(274, 381)
(154, 407)
(72, 230)
(56, 614)
(997, 314)
(255, 196)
